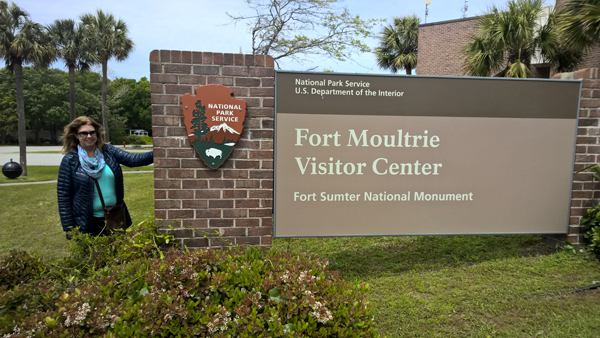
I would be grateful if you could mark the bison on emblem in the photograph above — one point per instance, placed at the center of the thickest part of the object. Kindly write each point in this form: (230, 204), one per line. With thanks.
(214, 152)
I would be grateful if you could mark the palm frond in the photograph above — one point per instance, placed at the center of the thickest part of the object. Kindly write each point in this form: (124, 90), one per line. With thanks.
(581, 23)
(594, 168)
(514, 34)
(111, 36)
(518, 70)
(399, 44)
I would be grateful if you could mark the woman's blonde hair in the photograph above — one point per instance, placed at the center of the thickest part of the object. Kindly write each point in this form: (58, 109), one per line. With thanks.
(69, 137)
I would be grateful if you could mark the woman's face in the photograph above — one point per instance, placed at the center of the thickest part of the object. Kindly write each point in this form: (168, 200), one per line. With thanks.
(87, 137)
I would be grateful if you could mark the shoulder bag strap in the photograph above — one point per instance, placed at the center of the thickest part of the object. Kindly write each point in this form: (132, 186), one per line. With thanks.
(99, 193)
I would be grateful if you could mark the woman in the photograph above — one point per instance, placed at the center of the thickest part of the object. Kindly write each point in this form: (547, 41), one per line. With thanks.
(88, 158)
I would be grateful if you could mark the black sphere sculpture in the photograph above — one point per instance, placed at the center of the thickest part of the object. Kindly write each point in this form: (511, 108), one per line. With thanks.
(12, 169)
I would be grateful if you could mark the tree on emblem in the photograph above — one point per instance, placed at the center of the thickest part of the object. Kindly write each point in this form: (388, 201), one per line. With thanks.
(198, 123)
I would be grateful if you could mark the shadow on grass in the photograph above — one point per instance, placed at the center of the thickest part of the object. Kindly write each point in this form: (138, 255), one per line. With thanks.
(371, 257)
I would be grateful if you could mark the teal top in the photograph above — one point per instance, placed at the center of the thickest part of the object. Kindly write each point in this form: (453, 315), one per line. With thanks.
(107, 185)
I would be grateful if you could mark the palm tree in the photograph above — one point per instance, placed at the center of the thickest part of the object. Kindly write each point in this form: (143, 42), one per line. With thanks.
(509, 39)
(111, 42)
(73, 43)
(581, 23)
(22, 41)
(398, 45)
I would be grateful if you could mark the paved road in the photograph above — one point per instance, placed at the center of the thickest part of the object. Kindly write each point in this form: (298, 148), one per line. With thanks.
(6, 153)
(54, 181)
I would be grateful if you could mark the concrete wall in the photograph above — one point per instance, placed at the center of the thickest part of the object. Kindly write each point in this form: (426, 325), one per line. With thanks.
(231, 205)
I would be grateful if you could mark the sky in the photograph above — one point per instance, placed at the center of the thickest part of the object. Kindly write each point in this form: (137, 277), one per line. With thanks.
(203, 25)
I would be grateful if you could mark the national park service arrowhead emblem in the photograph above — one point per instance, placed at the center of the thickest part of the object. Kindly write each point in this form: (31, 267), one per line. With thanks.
(214, 122)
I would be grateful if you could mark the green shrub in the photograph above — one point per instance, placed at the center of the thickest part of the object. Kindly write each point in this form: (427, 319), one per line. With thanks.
(593, 235)
(135, 140)
(147, 139)
(210, 293)
(23, 290)
(591, 224)
(20, 267)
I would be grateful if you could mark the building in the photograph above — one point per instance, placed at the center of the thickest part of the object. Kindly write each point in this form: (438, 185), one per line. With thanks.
(441, 48)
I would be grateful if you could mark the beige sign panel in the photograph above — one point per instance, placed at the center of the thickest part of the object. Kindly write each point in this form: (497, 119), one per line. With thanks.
(393, 155)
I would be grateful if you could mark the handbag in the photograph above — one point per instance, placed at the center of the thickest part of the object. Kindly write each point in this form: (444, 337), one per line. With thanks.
(115, 217)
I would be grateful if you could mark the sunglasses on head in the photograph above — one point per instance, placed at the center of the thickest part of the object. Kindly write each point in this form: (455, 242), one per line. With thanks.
(85, 134)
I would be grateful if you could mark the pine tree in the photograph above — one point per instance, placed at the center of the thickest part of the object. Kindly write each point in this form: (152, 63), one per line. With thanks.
(198, 123)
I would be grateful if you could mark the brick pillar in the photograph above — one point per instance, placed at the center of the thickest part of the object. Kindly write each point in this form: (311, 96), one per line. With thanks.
(233, 204)
(586, 193)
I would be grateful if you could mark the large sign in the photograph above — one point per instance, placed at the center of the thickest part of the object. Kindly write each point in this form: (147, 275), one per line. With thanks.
(214, 122)
(407, 155)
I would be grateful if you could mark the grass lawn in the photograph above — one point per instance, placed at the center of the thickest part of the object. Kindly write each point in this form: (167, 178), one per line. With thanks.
(35, 173)
(29, 214)
(466, 286)
(420, 286)
(38, 173)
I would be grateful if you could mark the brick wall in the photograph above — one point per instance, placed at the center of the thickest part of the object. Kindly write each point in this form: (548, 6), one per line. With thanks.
(592, 59)
(233, 204)
(441, 46)
(441, 49)
(586, 193)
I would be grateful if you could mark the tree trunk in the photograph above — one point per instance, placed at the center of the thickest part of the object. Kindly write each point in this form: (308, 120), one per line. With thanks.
(18, 68)
(72, 91)
(104, 108)
(408, 69)
(53, 134)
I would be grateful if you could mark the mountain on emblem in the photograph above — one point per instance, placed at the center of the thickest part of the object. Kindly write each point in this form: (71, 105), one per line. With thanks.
(225, 127)
(214, 122)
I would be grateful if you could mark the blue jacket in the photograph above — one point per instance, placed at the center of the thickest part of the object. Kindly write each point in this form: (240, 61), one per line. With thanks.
(75, 188)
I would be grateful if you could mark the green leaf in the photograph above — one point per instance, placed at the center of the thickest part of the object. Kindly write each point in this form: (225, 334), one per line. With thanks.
(50, 322)
(274, 295)
(290, 327)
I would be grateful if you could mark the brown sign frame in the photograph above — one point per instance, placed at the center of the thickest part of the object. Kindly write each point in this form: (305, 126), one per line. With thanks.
(552, 104)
